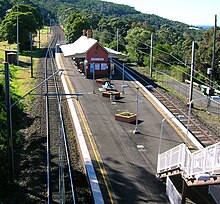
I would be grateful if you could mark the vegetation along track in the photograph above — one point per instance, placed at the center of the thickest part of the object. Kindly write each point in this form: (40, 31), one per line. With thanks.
(43, 169)
(204, 136)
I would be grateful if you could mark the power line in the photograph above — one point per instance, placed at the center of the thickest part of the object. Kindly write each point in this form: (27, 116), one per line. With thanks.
(163, 61)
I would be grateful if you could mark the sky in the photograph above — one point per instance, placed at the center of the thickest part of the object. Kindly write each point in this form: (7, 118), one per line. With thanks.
(192, 12)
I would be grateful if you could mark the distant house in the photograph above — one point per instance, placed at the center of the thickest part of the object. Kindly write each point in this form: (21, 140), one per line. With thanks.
(89, 54)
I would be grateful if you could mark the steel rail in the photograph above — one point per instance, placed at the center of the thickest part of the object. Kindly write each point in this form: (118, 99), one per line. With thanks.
(49, 192)
(202, 140)
(63, 132)
(49, 195)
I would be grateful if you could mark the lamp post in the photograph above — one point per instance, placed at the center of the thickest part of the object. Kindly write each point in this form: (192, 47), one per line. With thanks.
(136, 130)
(190, 107)
(161, 128)
(123, 78)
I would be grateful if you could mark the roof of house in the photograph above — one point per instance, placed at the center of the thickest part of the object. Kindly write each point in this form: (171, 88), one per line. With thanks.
(82, 45)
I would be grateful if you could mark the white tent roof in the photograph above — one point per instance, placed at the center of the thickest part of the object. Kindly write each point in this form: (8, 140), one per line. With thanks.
(82, 45)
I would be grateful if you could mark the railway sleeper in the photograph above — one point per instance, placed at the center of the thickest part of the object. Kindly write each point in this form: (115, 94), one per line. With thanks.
(206, 142)
(176, 113)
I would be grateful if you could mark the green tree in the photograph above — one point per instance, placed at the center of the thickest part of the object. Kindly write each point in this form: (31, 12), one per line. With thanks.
(168, 34)
(163, 58)
(24, 8)
(204, 54)
(4, 6)
(27, 24)
(74, 26)
(137, 40)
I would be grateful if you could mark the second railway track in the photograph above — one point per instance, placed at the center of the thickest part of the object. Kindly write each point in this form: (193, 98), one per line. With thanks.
(203, 136)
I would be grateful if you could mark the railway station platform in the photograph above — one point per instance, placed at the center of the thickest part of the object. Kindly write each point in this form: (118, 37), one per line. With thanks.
(125, 163)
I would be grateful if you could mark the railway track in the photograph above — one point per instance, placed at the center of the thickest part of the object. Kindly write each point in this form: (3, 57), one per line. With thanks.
(202, 135)
(60, 187)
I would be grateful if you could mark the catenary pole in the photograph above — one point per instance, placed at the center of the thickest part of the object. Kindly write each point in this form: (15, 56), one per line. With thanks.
(192, 72)
(17, 38)
(31, 47)
(39, 37)
(9, 123)
(117, 40)
(151, 54)
(214, 48)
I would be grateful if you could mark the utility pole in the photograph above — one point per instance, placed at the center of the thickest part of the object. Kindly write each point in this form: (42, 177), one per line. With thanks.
(117, 40)
(136, 130)
(39, 37)
(192, 72)
(31, 47)
(17, 38)
(151, 54)
(9, 123)
(214, 48)
(123, 78)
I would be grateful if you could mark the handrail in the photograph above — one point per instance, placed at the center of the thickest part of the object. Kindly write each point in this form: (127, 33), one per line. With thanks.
(202, 161)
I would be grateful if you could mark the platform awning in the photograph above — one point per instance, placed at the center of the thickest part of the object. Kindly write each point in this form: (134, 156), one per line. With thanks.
(114, 54)
(79, 48)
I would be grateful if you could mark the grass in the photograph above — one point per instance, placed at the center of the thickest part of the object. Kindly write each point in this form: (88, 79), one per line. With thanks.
(21, 81)
(4, 45)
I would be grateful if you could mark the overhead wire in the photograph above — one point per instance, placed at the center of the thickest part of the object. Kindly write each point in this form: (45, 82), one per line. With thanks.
(167, 63)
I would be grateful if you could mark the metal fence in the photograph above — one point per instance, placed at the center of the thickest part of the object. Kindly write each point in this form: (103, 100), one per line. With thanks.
(182, 88)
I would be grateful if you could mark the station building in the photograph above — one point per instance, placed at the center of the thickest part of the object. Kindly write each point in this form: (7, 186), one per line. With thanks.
(89, 55)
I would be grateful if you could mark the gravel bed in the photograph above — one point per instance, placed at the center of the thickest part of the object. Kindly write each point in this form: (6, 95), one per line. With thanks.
(30, 158)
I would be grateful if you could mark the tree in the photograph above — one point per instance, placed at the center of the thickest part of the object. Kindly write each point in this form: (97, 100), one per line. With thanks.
(204, 54)
(74, 26)
(137, 47)
(27, 24)
(4, 6)
(168, 34)
(24, 8)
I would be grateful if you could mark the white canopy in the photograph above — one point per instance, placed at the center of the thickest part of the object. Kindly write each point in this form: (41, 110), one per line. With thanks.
(82, 45)
(78, 48)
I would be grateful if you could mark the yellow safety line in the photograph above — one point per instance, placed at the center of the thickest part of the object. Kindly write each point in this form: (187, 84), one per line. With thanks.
(89, 137)
(165, 116)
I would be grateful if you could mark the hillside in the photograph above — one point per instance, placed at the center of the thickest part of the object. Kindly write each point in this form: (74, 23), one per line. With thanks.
(52, 7)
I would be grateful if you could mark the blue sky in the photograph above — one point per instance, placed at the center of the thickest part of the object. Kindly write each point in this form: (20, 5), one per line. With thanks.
(192, 12)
